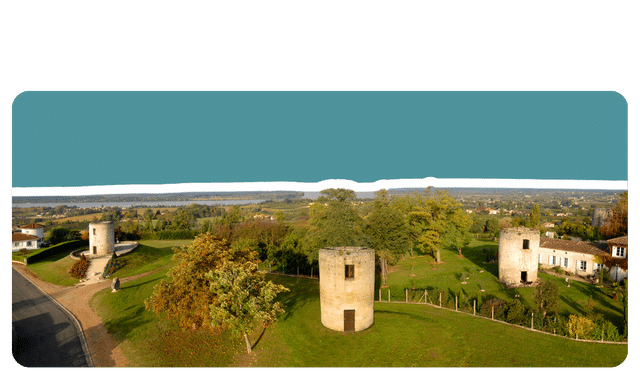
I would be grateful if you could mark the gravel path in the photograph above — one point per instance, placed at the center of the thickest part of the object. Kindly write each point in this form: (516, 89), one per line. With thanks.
(104, 349)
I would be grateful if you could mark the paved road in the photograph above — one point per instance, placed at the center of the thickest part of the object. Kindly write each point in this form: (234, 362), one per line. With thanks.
(43, 334)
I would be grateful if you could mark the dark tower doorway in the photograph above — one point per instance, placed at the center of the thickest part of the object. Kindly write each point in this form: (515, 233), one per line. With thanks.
(523, 276)
(349, 320)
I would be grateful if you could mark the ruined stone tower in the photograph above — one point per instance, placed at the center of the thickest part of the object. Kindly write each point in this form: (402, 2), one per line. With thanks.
(347, 279)
(101, 238)
(518, 251)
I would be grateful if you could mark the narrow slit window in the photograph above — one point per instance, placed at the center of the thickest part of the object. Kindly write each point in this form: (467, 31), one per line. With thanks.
(525, 244)
(348, 271)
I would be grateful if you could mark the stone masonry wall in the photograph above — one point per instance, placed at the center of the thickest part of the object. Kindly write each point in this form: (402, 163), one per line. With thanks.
(513, 258)
(101, 238)
(338, 293)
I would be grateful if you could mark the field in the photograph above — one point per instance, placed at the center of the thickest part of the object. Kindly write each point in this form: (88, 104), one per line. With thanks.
(480, 275)
(403, 334)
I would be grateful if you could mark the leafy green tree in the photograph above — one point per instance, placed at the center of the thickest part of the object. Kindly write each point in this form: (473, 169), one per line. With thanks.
(161, 224)
(291, 256)
(458, 234)
(334, 221)
(433, 220)
(244, 298)
(493, 226)
(60, 234)
(183, 220)
(547, 297)
(149, 214)
(406, 205)
(387, 232)
(233, 216)
(186, 295)
(206, 226)
(534, 219)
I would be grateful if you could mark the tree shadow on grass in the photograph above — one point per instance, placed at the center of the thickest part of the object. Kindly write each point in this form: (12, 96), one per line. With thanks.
(301, 291)
(482, 255)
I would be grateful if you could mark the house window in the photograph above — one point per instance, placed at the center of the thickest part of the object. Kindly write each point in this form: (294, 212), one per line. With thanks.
(619, 251)
(582, 265)
(28, 243)
(565, 262)
(94, 231)
(552, 260)
(348, 271)
(525, 244)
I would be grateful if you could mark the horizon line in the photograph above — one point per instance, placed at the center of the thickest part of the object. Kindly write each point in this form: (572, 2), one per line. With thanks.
(478, 183)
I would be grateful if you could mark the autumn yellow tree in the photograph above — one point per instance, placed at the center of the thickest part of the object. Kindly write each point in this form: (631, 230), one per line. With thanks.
(186, 295)
(618, 219)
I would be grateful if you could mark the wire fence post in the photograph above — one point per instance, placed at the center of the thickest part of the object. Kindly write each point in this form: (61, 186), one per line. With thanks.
(491, 312)
(406, 295)
(440, 301)
(389, 290)
(474, 307)
(379, 294)
(456, 302)
(531, 320)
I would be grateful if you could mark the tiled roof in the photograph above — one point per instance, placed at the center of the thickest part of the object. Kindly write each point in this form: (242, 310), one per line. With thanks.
(22, 237)
(574, 246)
(624, 240)
(32, 226)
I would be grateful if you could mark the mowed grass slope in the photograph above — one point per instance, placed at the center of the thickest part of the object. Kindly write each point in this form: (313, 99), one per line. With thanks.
(402, 335)
(148, 256)
(483, 275)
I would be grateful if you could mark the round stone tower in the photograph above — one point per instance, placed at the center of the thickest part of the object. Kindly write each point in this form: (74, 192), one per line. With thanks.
(347, 280)
(101, 238)
(518, 251)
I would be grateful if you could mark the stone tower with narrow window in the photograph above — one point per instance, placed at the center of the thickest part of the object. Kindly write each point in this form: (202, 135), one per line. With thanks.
(347, 281)
(518, 251)
(101, 238)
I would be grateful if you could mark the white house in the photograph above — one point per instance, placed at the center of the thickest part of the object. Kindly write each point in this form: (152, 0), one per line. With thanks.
(23, 241)
(578, 256)
(574, 256)
(33, 229)
(618, 249)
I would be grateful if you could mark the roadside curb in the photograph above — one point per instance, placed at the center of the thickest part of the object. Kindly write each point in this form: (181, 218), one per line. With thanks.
(83, 340)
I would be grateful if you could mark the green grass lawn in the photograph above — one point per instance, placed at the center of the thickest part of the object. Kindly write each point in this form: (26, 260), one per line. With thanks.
(55, 269)
(402, 335)
(148, 256)
(446, 278)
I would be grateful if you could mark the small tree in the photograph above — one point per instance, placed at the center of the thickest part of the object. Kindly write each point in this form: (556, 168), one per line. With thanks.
(387, 233)
(245, 299)
(186, 295)
(579, 327)
(546, 297)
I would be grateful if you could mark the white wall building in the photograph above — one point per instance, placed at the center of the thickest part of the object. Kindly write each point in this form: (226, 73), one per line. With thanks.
(21, 241)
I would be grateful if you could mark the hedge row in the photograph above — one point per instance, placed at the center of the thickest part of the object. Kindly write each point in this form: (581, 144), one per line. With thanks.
(56, 249)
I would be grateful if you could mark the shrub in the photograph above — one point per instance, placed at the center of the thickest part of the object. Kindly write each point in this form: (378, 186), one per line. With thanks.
(112, 266)
(498, 308)
(515, 312)
(580, 327)
(79, 269)
(558, 270)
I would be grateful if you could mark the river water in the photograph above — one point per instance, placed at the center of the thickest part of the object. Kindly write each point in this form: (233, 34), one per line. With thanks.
(146, 204)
